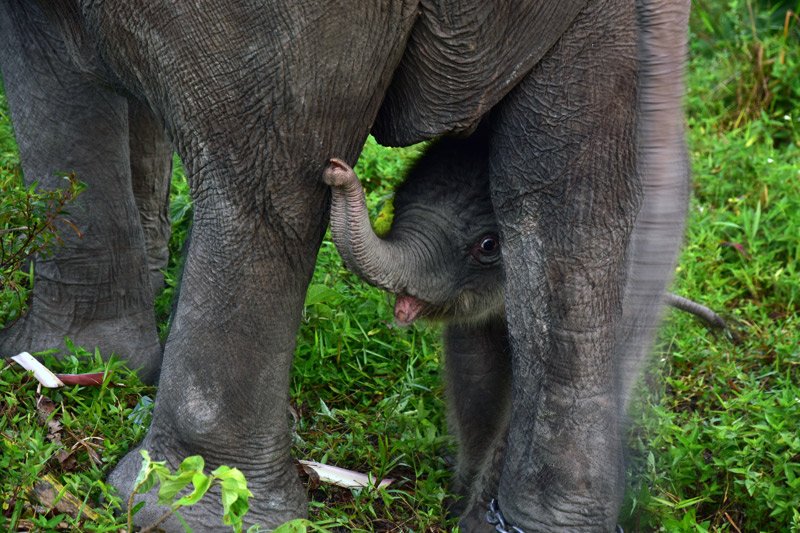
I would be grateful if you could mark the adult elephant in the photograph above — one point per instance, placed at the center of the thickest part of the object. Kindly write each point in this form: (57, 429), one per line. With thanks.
(588, 176)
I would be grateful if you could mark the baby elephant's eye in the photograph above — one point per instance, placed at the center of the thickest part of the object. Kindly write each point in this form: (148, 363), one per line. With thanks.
(489, 245)
(487, 248)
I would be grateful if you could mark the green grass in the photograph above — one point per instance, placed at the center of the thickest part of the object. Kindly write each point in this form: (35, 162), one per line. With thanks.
(714, 444)
(74, 434)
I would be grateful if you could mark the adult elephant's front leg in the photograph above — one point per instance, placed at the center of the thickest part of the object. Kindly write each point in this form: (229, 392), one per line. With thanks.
(565, 187)
(256, 98)
(225, 376)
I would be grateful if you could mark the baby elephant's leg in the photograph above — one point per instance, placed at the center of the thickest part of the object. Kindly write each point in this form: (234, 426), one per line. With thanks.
(478, 374)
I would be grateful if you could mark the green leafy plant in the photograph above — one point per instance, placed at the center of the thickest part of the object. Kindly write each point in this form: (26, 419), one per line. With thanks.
(30, 221)
(233, 487)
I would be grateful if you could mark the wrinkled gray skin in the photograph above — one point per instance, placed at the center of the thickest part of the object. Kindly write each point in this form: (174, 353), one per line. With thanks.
(444, 242)
(587, 171)
(445, 254)
(447, 259)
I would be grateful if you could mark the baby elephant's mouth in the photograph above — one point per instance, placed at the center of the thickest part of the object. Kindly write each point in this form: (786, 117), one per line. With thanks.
(407, 309)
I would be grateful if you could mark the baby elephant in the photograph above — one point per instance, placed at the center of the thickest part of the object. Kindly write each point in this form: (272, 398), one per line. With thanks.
(442, 259)
(441, 256)
(442, 253)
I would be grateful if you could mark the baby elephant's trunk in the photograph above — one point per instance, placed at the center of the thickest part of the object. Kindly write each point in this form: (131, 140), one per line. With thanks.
(377, 261)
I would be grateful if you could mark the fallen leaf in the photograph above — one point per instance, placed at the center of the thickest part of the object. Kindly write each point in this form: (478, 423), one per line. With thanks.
(94, 379)
(45, 407)
(66, 460)
(52, 494)
(311, 474)
(342, 477)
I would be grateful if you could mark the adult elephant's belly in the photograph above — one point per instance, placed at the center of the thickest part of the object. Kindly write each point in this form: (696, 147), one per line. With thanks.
(461, 59)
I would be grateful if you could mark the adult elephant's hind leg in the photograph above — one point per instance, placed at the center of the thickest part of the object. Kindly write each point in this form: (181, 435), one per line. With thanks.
(566, 191)
(94, 288)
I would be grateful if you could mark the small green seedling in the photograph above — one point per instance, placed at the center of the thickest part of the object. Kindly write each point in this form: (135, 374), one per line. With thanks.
(235, 494)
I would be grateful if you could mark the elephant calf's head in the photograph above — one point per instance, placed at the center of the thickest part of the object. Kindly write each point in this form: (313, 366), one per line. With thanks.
(441, 256)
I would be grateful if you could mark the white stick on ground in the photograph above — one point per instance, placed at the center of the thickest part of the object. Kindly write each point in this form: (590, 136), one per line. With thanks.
(40, 372)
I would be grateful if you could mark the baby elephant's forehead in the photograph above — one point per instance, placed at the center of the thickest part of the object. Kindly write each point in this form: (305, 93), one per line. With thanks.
(459, 223)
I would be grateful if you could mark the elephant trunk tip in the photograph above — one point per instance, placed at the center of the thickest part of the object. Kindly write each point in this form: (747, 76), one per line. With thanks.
(339, 174)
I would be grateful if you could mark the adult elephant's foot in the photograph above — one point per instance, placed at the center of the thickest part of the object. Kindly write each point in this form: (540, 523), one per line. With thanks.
(278, 495)
(133, 338)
